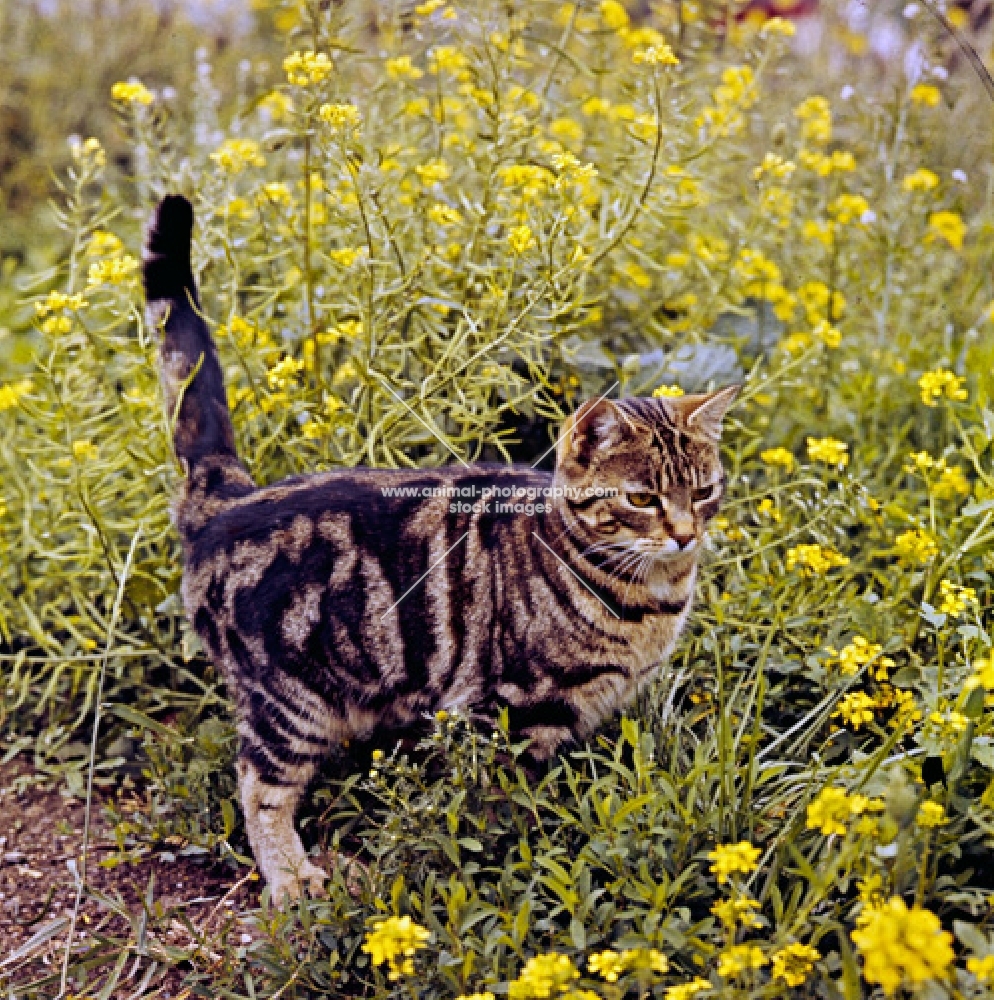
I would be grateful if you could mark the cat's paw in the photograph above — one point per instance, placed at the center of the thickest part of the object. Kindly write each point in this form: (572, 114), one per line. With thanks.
(289, 885)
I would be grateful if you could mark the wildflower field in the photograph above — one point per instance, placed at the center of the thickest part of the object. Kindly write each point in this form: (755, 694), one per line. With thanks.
(425, 233)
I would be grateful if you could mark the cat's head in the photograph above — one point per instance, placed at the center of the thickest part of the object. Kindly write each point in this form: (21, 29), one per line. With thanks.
(656, 465)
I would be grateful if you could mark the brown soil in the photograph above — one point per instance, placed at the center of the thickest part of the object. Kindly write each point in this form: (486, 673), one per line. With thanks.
(41, 834)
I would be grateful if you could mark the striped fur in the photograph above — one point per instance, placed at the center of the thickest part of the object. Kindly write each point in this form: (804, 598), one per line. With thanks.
(338, 607)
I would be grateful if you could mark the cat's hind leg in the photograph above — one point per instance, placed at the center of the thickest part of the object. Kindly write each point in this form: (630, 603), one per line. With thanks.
(269, 803)
(285, 733)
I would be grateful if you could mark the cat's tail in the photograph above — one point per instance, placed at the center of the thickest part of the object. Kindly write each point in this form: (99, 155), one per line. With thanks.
(190, 370)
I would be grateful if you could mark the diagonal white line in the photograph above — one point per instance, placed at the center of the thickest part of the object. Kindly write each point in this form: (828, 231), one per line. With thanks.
(427, 426)
(420, 578)
(584, 582)
(555, 444)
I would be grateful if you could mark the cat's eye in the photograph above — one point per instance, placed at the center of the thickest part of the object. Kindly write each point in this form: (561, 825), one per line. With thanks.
(702, 493)
(640, 499)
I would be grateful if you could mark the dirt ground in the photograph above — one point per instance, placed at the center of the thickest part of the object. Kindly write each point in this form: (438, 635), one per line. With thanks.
(41, 835)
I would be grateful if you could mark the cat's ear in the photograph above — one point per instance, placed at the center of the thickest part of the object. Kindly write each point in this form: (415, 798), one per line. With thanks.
(596, 425)
(703, 414)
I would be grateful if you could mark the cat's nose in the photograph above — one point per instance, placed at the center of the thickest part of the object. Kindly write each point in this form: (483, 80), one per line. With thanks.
(685, 540)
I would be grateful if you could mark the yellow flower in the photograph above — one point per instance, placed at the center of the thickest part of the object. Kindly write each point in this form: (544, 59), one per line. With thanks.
(594, 106)
(402, 68)
(447, 59)
(237, 154)
(443, 215)
(830, 809)
(952, 482)
(85, 451)
(520, 239)
(814, 560)
(112, 272)
(952, 723)
(12, 393)
(815, 114)
(829, 335)
(56, 301)
(736, 93)
(614, 15)
(984, 673)
(543, 976)
(655, 55)
(734, 961)
(735, 912)
(931, 815)
(902, 947)
(609, 965)
(733, 859)
(304, 68)
(54, 326)
(926, 94)
(104, 244)
(395, 941)
(414, 109)
(433, 172)
(566, 130)
(275, 193)
(687, 991)
(667, 392)
(936, 384)
(828, 450)
(819, 301)
(955, 599)
(526, 179)
(768, 508)
(777, 205)
(817, 231)
(982, 968)
(794, 963)
(778, 457)
(284, 372)
(340, 116)
(778, 26)
(840, 161)
(921, 179)
(277, 105)
(856, 709)
(915, 546)
(860, 652)
(88, 152)
(948, 226)
(345, 256)
(775, 166)
(132, 92)
(848, 208)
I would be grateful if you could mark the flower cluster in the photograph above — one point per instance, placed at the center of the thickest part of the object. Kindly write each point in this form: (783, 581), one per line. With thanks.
(941, 383)
(132, 92)
(829, 451)
(395, 941)
(733, 859)
(833, 807)
(306, 68)
(902, 946)
(814, 559)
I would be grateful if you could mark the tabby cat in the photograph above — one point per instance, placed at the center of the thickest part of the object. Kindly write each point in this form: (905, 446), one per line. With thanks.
(350, 603)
